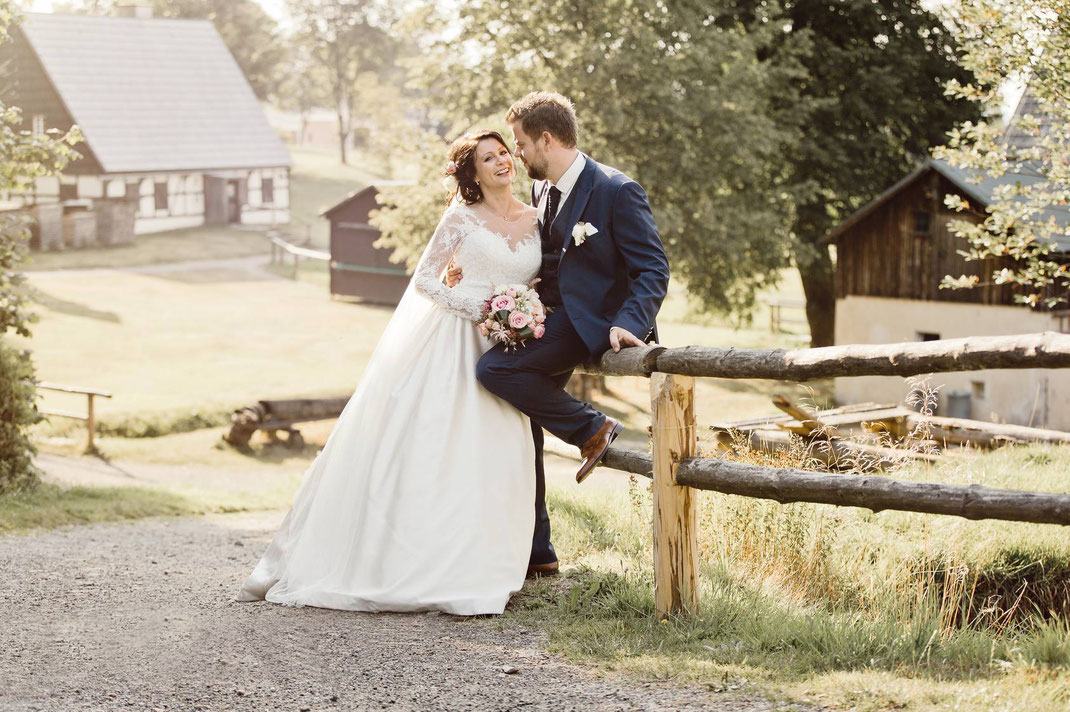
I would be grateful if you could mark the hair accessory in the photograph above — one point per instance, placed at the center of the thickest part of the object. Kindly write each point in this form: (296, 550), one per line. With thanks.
(451, 167)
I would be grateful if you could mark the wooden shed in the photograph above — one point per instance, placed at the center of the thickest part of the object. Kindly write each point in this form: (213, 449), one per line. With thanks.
(358, 268)
(891, 256)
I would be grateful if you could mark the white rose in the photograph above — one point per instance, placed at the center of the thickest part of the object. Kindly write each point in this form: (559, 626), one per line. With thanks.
(582, 231)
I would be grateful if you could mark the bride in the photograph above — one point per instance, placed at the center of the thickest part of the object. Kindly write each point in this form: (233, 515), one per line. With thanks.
(422, 497)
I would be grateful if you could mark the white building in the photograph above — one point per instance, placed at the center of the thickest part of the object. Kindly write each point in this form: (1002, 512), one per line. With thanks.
(172, 128)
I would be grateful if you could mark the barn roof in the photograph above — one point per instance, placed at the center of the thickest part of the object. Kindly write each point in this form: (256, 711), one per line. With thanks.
(360, 192)
(978, 188)
(154, 94)
(979, 191)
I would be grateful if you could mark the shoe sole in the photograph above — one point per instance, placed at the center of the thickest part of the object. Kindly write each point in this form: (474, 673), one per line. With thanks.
(587, 468)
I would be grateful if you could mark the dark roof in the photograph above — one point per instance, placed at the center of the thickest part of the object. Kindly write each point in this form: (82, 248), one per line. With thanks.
(979, 188)
(979, 191)
(362, 191)
(154, 94)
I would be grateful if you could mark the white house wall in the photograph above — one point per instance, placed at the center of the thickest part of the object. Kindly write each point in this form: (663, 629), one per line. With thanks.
(259, 212)
(185, 196)
(1026, 397)
(90, 187)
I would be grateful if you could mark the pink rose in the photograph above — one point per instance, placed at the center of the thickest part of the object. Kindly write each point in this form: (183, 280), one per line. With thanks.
(503, 302)
(538, 330)
(518, 320)
(511, 291)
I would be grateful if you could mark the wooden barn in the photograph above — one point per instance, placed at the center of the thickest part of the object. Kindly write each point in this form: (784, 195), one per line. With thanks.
(174, 135)
(891, 256)
(358, 268)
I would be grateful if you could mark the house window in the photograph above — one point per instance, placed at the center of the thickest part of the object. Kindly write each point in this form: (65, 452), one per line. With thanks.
(922, 222)
(267, 190)
(977, 390)
(161, 195)
(38, 124)
(927, 336)
(68, 191)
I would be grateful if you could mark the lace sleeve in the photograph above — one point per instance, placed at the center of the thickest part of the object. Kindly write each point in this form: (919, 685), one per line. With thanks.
(444, 244)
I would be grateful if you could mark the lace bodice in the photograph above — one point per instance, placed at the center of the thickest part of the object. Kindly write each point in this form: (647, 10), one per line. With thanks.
(489, 250)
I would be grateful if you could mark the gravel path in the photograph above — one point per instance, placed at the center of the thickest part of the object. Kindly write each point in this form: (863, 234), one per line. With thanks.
(139, 615)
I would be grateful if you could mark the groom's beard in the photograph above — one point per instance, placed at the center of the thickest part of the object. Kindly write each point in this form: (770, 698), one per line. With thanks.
(536, 172)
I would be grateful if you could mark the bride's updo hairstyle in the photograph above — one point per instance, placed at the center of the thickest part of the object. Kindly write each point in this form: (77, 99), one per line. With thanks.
(462, 165)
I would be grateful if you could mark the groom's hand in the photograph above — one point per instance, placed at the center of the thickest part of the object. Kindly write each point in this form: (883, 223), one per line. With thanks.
(453, 276)
(619, 338)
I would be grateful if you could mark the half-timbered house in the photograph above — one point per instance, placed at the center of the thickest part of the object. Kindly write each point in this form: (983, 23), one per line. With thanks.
(174, 135)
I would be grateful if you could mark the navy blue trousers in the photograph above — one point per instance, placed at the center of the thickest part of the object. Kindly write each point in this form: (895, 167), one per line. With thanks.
(533, 379)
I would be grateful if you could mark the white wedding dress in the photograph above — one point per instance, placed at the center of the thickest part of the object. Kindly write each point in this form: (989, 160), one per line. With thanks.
(423, 496)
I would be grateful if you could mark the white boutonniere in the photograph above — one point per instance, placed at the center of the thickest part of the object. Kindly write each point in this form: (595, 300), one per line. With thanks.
(582, 231)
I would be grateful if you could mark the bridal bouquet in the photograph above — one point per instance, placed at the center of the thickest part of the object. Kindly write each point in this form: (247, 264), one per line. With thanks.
(512, 315)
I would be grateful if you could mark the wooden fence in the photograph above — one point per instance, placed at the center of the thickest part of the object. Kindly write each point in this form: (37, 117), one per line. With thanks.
(280, 248)
(90, 417)
(676, 471)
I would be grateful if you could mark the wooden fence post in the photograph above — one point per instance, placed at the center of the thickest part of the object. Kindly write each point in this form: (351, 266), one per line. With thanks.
(672, 401)
(91, 425)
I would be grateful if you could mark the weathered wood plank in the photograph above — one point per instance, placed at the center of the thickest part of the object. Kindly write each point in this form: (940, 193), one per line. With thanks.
(672, 400)
(874, 492)
(959, 431)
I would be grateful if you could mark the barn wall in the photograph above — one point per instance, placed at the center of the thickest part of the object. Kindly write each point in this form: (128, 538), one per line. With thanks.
(357, 268)
(1025, 397)
(885, 255)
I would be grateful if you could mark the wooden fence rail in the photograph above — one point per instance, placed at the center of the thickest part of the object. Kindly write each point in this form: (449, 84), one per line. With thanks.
(280, 247)
(676, 470)
(90, 417)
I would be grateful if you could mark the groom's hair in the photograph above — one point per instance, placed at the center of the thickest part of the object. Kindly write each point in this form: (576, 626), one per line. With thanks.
(546, 111)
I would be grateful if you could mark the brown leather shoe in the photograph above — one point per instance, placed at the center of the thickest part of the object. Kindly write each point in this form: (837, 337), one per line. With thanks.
(537, 570)
(594, 449)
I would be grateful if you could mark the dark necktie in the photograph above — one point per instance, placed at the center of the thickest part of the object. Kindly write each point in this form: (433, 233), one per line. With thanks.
(551, 212)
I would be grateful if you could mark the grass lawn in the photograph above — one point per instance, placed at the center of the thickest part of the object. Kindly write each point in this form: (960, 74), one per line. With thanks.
(837, 607)
(51, 505)
(195, 243)
(191, 346)
(318, 180)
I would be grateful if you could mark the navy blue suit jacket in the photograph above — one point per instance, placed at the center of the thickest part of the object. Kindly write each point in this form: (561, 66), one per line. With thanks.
(618, 276)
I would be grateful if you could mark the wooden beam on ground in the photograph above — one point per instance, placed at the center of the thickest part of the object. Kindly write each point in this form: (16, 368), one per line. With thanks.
(874, 492)
(672, 401)
(958, 431)
(806, 419)
(834, 453)
(975, 353)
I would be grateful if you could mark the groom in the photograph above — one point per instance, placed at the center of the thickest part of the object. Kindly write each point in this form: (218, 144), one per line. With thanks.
(603, 273)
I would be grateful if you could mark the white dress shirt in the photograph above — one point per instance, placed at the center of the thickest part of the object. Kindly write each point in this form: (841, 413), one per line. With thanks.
(565, 184)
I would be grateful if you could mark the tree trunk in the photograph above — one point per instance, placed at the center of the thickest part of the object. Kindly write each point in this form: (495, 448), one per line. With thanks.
(342, 146)
(818, 286)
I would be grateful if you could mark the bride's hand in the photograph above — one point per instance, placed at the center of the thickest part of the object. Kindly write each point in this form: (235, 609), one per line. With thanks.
(453, 275)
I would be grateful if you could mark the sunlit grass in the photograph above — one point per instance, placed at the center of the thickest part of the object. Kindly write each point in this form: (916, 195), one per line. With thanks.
(834, 606)
(48, 505)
